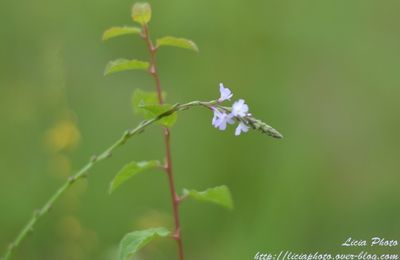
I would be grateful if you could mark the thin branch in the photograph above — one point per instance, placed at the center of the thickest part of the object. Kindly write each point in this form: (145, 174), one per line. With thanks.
(83, 172)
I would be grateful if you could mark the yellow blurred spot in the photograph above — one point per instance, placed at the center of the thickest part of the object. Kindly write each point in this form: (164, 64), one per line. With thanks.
(77, 239)
(68, 251)
(63, 136)
(70, 227)
(72, 199)
(152, 218)
(59, 166)
(90, 240)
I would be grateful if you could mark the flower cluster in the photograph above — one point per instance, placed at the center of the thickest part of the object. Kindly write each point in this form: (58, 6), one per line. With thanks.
(223, 117)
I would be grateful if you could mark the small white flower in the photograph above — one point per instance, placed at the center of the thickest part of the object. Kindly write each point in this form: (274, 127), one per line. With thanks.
(226, 93)
(240, 108)
(242, 127)
(221, 119)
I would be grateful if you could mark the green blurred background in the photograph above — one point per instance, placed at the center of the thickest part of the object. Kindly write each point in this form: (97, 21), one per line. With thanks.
(324, 73)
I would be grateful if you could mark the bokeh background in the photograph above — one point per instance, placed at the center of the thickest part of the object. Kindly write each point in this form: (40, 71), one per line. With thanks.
(324, 73)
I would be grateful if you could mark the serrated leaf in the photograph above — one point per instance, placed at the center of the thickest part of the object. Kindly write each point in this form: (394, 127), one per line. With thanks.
(134, 241)
(124, 64)
(156, 109)
(118, 31)
(219, 195)
(130, 170)
(177, 42)
(141, 13)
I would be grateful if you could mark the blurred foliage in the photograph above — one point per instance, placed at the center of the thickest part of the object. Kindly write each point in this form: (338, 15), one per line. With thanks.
(323, 73)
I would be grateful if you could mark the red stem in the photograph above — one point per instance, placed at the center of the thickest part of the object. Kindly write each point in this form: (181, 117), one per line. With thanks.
(168, 166)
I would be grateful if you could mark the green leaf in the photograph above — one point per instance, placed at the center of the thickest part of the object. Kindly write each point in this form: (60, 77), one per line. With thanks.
(134, 241)
(157, 109)
(141, 13)
(219, 195)
(142, 98)
(130, 170)
(118, 31)
(124, 64)
(147, 104)
(177, 42)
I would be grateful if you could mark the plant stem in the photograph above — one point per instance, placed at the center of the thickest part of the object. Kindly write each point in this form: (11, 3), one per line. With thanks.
(167, 140)
(83, 172)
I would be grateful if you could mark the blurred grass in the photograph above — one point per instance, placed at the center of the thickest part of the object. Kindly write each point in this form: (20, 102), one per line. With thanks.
(323, 73)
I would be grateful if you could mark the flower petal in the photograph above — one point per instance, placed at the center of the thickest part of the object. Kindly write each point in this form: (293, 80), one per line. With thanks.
(242, 127)
(240, 108)
(237, 131)
(225, 93)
